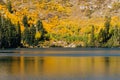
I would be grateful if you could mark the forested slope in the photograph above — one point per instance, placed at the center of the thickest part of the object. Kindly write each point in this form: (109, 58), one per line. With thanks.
(65, 23)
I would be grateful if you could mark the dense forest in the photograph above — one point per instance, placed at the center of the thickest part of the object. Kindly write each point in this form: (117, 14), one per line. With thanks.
(52, 24)
(11, 36)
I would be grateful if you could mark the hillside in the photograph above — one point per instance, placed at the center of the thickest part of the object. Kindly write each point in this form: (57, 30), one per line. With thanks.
(67, 21)
(81, 8)
(97, 8)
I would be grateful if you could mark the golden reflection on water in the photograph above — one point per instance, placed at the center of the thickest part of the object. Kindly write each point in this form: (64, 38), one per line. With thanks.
(59, 66)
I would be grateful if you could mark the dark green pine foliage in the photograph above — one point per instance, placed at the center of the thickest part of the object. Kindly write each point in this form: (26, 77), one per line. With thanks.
(39, 25)
(4, 33)
(18, 34)
(26, 36)
(40, 28)
(114, 41)
(106, 30)
(116, 36)
(119, 36)
(25, 21)
(11, 34)
(30, 31)
(0, 31)
(92, 39)
(9, 6)
(26, 33)
(101, 37)
(32, 35)
(104, 34)
(8, 34)
(29, 35)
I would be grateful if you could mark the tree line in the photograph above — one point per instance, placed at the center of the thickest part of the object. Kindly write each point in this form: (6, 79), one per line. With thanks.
(109, 36)
(33, 33)
(12, 37)
(10, 34)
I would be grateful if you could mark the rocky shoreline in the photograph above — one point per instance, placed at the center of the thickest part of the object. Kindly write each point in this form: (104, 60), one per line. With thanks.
(63, 44)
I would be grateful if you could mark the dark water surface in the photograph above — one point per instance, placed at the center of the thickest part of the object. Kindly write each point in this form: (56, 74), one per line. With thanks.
(60, 64)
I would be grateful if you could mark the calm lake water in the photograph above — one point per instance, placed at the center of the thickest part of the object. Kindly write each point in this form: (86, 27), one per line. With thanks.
(60, 64)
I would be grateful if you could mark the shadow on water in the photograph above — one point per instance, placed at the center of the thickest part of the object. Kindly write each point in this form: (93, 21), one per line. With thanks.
(75, 52)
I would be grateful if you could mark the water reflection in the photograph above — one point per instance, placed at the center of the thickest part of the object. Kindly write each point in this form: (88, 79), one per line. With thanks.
(66, 68)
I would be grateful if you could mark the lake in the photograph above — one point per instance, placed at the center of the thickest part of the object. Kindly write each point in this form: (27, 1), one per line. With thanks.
(60, 64)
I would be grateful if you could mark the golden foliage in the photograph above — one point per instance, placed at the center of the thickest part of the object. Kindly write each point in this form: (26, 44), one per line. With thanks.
(37, 35)
(54, 24)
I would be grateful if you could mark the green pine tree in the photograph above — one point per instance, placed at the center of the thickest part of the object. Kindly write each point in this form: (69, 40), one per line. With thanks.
(26, 37)
(25, 21)
(40, 28)
(18, 34)
(107, 27)
(32, 35)
(92, 38)
(9, 6)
